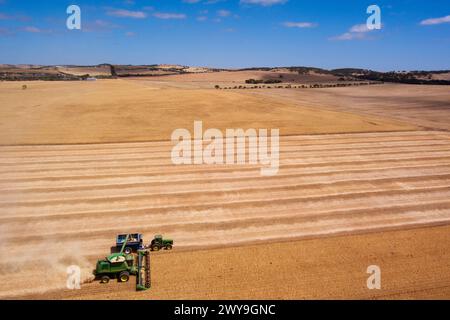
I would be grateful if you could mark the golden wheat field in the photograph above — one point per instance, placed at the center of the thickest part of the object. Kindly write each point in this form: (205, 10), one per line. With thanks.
(128, 110)
(362, 180)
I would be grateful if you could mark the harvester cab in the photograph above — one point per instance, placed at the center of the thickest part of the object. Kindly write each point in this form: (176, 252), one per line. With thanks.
(117, 265)
(121, 265)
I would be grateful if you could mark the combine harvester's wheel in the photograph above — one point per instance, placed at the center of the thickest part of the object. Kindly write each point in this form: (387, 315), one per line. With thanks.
(104, 279)
(124, 276)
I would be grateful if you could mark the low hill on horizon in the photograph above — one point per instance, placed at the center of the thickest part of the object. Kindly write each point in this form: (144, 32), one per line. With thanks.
(26, 72)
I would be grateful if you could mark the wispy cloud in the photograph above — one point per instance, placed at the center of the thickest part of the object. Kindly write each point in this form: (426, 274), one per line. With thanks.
(5, 32)
(434, 21)
(203, 2)
(360, 28)
(33, 29)
(357, 32)
(99, 26)
(223, 13)
(122, 13)
(265, 3)
(163, 15)
(4, 16)
(349, 36)
(213, 1)
(300, 24)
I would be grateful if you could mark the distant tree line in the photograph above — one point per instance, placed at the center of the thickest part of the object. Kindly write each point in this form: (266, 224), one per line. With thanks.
(304, 86)
(348, 74)
(19, 76)
(406, 78)
(267, 81)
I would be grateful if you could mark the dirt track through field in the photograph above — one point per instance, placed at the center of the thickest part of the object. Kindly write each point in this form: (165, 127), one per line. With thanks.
(64, 204)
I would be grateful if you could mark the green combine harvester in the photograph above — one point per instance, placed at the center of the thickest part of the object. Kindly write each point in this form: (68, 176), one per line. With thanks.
(121, 265)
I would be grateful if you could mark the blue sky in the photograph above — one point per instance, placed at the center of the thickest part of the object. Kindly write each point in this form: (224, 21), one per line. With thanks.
(415, 34)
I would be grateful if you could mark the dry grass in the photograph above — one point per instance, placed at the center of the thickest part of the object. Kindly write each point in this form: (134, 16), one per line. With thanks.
(424, 106)
(233, 78)
(119, 111)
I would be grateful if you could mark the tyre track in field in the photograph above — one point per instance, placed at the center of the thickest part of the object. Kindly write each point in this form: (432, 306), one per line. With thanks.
(23, 175)
(59, 156)
(207, 176)
(288, 156)
(234, 184)
(193, 196)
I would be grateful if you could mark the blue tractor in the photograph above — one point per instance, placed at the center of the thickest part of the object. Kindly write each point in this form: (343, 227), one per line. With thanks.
(135, 242)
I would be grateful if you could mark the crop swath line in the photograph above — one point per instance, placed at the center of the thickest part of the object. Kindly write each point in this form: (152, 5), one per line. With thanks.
(283, 146)
(212, 173)
(229, 222)
(208, 183)
(367, 196)
(283, 152)
(268, 226)
(210, 192)
(305, 161)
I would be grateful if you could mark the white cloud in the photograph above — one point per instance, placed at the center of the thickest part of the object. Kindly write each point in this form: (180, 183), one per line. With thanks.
(434, 21)
(350, 36)
(5, 31)
(127, 14)
(223, 13)
(299, 24)
(264, 3)
(359, 28)
(357, 32)
(32, 29)
(103, 24)
(22, 18)
(213, 1)
(99, 26)
(161, 15)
